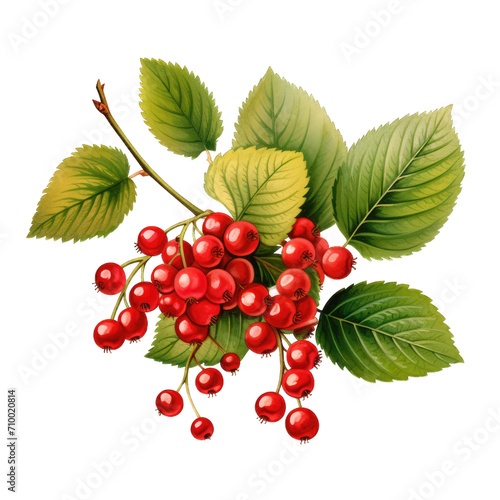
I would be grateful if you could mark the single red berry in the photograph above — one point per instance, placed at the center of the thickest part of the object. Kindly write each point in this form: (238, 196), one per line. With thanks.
(319, 269)
(233, 303)
(171, 254)
(260, 338)
(134, 322)
(190, 332)
(163, 277)
(304, 228)
(110, 279)
(338, 263)
(171, 305)
(306, 309)
(304, 355)
(298, 253)
(298, 383)
(151, 240)
(281, 313)
(209, 381)
(190, 284)
(302, 424)
(208, 251)
(241, 270)
(294, 284)
(169, 403)
(109, 335)
(321, 246)
(241, 238)
(254, 299)
(305, 328)
(202, 428)
(144, 296)
(216, 224)
(203, 313)
(270, 407)
(230, 362)
(221, 286)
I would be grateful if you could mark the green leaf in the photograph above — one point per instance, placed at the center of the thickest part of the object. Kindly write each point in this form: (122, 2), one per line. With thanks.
(263, 186)
(229, 332)
(385, 331)
(178, 109)
(279, 115)
(89, 195)
(400, 185)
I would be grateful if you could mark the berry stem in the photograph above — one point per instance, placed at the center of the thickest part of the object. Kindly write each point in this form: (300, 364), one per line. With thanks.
(283, 336)
(209, 157)
(133, 261)
(299, 403)
(282, 358)
(181, 244)
(188, 363)
(103, 108)
(217, 344)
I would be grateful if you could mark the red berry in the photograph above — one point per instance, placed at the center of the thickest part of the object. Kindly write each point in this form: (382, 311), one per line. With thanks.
(203, 312)
(230, 362)
(144, 296)
(202, 428)
(134, 322)
(304, 355)
(208, 251)
(321, 274)
(109, 335)
(253, 299)
(171, 305)
(216, 224)
(281, 313)
(298, 253)
(241, 270)
(172, 248)
(294, 284)
(163, 277)
(260, 338)
(270, 407)
(209, 381)
(169, 403)
(190, 332)
(110, 279)
(306, 309)
(304, 228)
(221, 286)
(190, 284)
(151, 240)
(321, 246)
(298, 383)
(302, 424)
(227, 306)
(241, 238)
(337, 262)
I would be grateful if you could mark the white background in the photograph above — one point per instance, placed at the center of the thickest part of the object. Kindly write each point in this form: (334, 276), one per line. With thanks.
(81, 407)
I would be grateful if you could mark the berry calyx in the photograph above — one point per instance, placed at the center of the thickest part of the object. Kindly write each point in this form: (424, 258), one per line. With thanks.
(109, 335)
(202, 428)
(216, 224)
(302, 424)
(172, 248)
(134, 323)
(304, 228)
(163, 277)
(233, 303)
(230, 362)
(221, 286)
(171, 305)
(281, 313)
(190, 284)
(298, 253)
(338, 262)
(270, 407)
(293, 284)
(298, 383)
(209, 381)
(169, 403)
(204, 312)
(190, 332)
(208, 251)
(110, 279)
(260, 338)
(241, 270)
(241, 238)
(151, 240)
(306, 309)
(303, 355)
(254, 299)
(144, 296)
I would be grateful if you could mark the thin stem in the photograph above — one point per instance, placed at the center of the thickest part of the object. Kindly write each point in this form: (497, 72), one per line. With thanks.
(196, 227)
(194, 357)
(103, 108)
(283, 336)
(217, 343)
(133, 261)
(299, 403)
(191, 399)
(282, 358)
(188, 363)
(209, 157)
(142, 272)
(181, 243)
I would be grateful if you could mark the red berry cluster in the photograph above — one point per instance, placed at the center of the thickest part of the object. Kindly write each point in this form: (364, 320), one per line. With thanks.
(196, 283)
